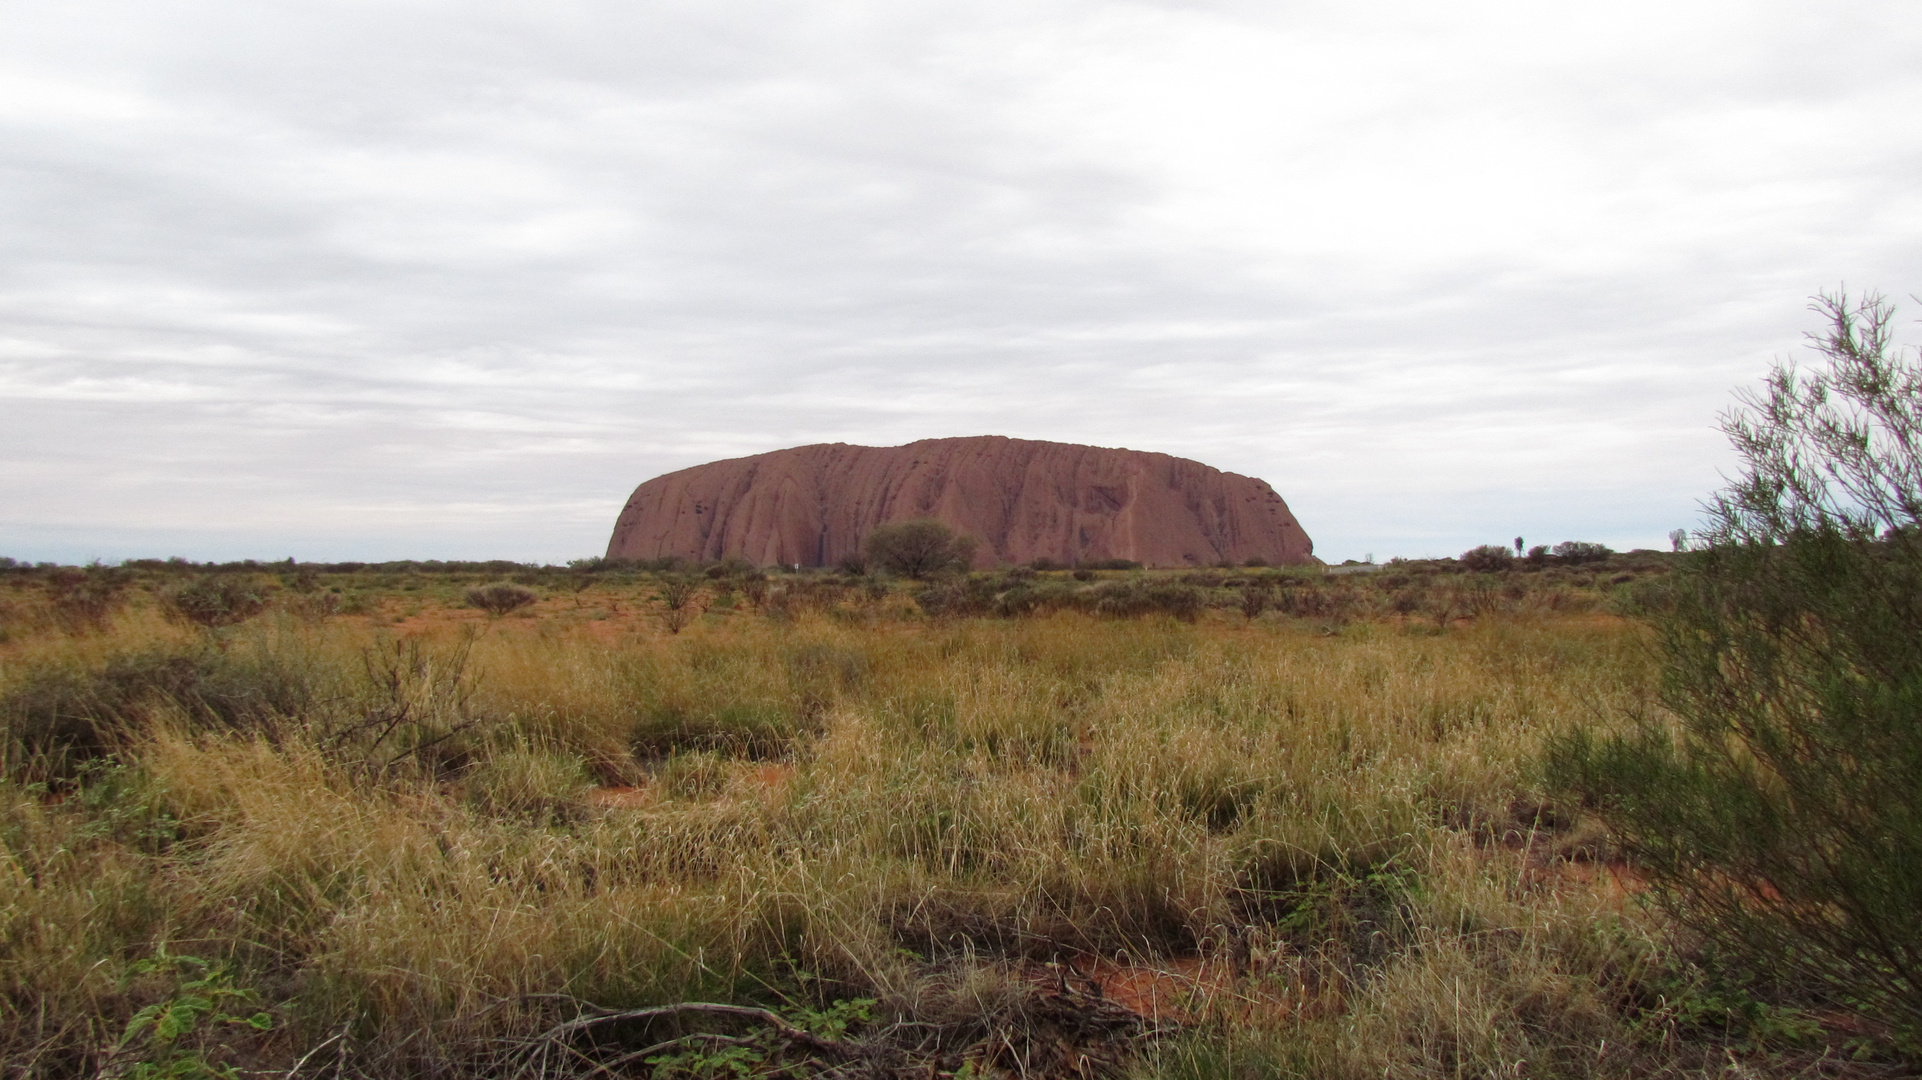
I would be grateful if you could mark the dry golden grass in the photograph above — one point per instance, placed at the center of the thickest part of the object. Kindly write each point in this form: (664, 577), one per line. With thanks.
(1333, 838)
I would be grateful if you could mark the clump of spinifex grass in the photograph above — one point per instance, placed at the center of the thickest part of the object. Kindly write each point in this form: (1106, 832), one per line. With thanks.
(426, 845)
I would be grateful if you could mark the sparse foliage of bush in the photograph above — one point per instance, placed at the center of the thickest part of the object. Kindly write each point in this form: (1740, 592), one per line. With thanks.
(1133, 599)
(755, 588)
(1781, 817)
(84, 598)
(55, 720)
(315, 606)
(733, 566)
(918, 549)
(215, 600)
(501, 598)
(1487, 558)
(1255, 597)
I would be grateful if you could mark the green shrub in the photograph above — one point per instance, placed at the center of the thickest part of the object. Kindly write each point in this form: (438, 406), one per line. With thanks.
(742, 729)
(85, 599)
(1255, 598)
(501, 598)
(1133, 599)
(539, 784)
(215, 600)
(956, 598)
(56, 719)
(1576, 552)
(1780, 815)
(1487, 558)
(918, 549)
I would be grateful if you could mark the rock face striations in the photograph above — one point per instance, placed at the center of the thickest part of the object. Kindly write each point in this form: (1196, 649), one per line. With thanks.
(1020, 499)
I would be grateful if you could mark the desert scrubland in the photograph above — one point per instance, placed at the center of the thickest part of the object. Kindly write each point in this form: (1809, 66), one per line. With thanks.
(1273, 822)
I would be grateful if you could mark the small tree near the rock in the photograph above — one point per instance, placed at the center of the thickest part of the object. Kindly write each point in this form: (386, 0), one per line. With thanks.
(918, 549)
(679, 592)
(1254, 599)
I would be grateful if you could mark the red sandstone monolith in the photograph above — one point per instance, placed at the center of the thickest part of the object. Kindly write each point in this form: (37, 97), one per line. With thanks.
(1020, 499)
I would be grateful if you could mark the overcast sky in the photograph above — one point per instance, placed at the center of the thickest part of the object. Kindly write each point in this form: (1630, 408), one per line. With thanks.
(438, 279)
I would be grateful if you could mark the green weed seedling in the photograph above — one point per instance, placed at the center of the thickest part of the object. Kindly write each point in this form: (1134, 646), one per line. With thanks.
(174, 1039)
(707, 1063)
(712, 1057)
(834, 1021)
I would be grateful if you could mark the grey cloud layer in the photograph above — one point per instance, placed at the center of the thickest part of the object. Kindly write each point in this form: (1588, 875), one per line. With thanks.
(436, 279)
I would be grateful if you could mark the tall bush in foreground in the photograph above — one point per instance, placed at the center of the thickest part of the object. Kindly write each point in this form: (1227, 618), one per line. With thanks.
(1780, 815)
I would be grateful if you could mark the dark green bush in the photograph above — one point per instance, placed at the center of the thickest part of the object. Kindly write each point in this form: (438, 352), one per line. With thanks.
(1136, 598)
(501, 597)
(1780, 814)
(1487, 558)
(1255, 598)
(215, 600)
(1576, 552)
(84, 598)
(957, 598)
(678, 592)
(55, 719)
(736, 729)
(917, 549)
(1037, 598)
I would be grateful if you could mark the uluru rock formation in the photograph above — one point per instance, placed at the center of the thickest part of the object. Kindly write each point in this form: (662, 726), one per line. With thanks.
(1020, 499)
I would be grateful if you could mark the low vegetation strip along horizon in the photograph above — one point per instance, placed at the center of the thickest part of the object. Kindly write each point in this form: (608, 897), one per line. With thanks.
(354, 820)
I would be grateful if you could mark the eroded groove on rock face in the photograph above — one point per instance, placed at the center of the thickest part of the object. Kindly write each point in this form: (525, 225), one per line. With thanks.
(1021, 499)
